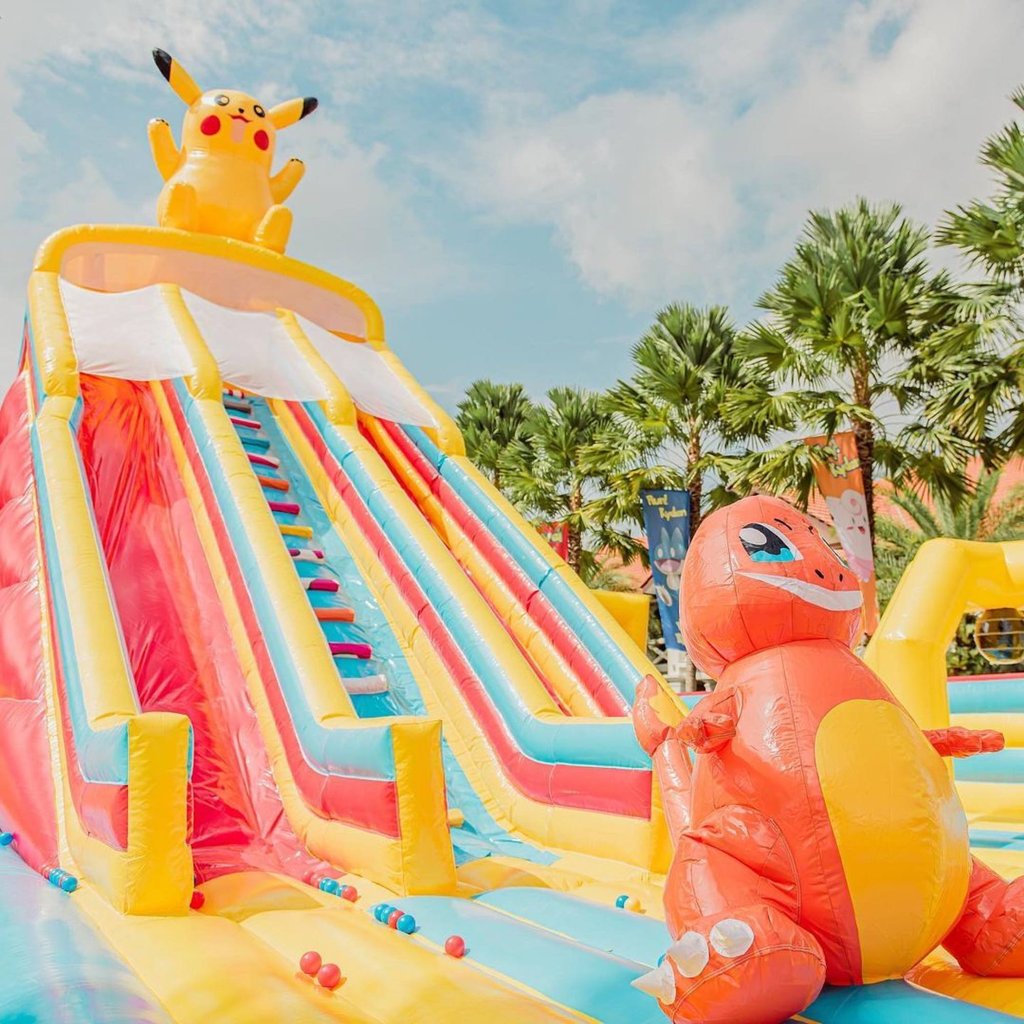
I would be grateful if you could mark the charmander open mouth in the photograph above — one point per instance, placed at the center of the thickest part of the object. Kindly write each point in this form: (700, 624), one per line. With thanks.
(830, 600)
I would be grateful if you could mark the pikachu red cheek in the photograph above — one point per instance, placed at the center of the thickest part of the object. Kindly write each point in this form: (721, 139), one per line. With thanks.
(262, 139)
(210, 125)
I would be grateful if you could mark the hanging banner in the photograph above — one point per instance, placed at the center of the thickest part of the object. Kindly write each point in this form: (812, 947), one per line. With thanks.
(667, 525)
(557, 535)
(841, 483)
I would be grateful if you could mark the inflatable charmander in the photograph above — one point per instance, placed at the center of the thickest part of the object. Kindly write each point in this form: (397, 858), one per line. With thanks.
(818, 835)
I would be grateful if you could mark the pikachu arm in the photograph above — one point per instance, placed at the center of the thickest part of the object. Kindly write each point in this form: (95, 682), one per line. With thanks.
(960, 742)
(283, 183)
(165, 153)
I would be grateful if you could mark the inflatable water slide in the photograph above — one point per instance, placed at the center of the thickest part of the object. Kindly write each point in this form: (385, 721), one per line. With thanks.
(280, 668)
(299, 719)
(268, 637)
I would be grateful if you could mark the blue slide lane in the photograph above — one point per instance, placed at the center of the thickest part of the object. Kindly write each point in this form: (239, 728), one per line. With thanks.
(481, 835)
(567, 972)
(1003, 766)
(356, 753)
(605, 743)
(592, 634)
(56, 968)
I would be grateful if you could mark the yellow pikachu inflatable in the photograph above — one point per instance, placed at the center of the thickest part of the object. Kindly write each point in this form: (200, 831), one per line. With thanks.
(219, 180)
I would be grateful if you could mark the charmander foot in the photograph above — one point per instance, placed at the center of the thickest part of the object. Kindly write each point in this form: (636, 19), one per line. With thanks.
(752, 965)
(989, 937)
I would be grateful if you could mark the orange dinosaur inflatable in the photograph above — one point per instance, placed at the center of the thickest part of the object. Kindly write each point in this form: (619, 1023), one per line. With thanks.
(818, 835)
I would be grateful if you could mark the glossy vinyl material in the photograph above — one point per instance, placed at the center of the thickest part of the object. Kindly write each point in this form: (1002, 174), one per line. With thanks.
(26, 800)
(176, 639)
(804, 767)
(219, 179)
(56, 969)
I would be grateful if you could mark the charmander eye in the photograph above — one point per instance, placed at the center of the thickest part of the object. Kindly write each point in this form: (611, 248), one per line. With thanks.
(765, 544)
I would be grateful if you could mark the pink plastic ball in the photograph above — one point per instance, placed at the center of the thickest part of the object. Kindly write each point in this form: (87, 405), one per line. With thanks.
(329, 976)
(455, 945)
(309, 963)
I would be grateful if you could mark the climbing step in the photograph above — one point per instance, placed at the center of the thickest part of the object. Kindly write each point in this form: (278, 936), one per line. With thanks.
(342, 649)
(272, 483)
(289, 508)
(306, 554)
(236, 405)
(335, 614)
(366, 685)
(245, 423)
(288, 530)
(264, 460)
(320, 583)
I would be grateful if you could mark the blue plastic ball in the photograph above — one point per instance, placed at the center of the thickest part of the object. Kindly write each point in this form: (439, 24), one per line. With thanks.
(6, 838)
(620, 901)
(69, 883)
(406, 923)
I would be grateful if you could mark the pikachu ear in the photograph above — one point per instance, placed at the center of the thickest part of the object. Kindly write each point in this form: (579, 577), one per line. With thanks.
(291, 111)
(178, 78)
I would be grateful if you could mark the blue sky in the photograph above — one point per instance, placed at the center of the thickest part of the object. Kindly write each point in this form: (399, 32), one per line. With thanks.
(521, 184)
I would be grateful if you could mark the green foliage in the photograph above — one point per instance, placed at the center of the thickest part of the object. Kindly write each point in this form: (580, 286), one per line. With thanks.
(686, 366)
(983, 399)
(492, 417)
(852, 319)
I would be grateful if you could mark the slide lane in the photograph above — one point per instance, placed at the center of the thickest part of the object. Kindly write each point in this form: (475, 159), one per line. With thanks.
(537, 767)
(562, 604)
(374, 666)
(563, 665)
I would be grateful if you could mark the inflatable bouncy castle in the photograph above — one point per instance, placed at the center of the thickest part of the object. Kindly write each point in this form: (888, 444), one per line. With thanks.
(300, 720)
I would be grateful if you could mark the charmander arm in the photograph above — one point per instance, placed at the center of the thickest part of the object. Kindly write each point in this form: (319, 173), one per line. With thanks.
(711, 724)
(959, 742)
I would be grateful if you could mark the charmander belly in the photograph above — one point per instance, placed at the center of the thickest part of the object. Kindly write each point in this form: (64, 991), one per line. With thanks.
(899, 828)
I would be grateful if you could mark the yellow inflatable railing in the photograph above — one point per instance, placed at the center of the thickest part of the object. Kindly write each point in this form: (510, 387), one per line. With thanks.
(945, 579)
(153, 875)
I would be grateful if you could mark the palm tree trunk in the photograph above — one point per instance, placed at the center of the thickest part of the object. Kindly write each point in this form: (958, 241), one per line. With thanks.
(864, 434)
(694, 479)
(574, 536)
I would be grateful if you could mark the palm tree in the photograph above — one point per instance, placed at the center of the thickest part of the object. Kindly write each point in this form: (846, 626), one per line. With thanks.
(979, 517)
(986, 391)
(850, 318)
(669, 413)
(491, 418)
(550, 470)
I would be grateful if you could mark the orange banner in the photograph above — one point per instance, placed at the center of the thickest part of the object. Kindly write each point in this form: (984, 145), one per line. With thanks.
(842, 486)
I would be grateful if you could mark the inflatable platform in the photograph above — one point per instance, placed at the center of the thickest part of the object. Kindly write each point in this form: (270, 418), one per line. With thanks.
(300, 720)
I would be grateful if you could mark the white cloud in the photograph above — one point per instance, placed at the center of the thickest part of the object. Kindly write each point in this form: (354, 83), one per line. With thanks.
(629, 181)
(349, 216)
(698, 189)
